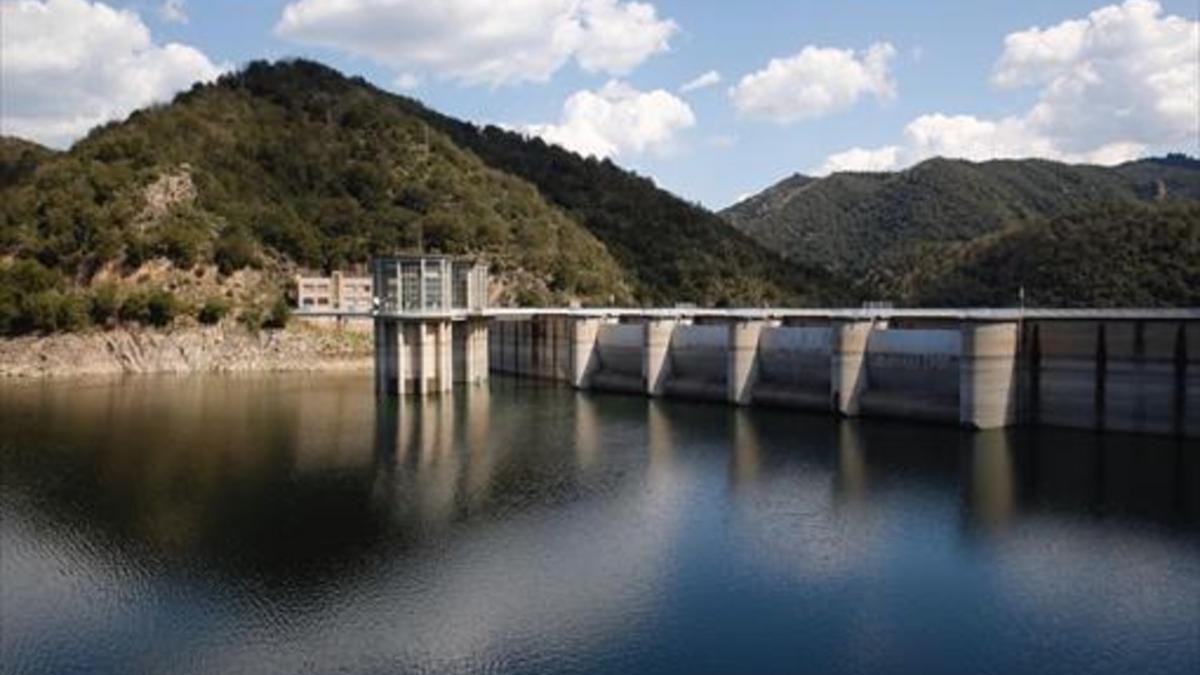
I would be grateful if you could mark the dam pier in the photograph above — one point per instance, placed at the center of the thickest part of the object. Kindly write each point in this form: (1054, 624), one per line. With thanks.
(1135, 370)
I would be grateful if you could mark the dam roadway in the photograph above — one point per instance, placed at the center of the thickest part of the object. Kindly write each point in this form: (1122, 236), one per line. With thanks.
(1135, 370)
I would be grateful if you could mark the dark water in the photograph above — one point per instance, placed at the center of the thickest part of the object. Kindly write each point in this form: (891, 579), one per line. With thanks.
(287, 524)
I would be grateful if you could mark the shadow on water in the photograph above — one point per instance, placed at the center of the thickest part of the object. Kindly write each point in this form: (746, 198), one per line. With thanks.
(281, 473)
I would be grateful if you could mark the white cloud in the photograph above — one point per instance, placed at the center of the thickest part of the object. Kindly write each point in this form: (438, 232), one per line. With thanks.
(1115, 85)
(174, 11)
(816, 82)
(406, 81)
(618, 36)
(1126, 72)
(481, 41)
(708, 79)
(617, 119)
(68, 65)
(859, 159)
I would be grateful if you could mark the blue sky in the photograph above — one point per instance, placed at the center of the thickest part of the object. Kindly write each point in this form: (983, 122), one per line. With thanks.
(1088, 85)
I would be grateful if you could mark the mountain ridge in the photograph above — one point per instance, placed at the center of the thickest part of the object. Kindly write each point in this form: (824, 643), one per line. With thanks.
(222, 193)
(880, 228)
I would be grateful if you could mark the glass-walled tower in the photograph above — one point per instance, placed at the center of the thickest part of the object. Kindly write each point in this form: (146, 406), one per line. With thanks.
(429, 284)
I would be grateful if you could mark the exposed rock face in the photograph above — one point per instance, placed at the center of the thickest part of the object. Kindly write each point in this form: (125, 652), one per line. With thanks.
(165, 193)
(189, 350)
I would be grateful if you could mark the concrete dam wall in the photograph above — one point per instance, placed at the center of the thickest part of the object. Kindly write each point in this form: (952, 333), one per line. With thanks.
(1123, 375)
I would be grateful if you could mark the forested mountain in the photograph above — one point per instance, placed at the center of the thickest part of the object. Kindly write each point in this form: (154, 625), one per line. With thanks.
(205, 206)
(238, 182)
(1121, 254)
(892, 231)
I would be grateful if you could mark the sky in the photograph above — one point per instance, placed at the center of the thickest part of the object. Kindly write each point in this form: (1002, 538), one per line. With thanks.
(713, 100)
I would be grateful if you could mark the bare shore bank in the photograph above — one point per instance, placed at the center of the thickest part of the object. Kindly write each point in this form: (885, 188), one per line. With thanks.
(185, 350)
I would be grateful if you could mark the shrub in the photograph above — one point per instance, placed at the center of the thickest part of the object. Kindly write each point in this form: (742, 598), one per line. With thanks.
(36, 299)
(212, 311)
(181, 239)
(155, 307)
(137, 251)
(10, 312)
(53, 310)
(71, 312)
(135, 308)
(234, 251)
(104, 303)
(163, 307)
(279, 315)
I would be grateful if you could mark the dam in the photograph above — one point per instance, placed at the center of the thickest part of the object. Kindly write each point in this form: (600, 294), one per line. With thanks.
(1131, 370)
(1127, 370)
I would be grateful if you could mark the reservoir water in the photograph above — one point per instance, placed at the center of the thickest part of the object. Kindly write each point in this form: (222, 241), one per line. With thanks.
(285, 524)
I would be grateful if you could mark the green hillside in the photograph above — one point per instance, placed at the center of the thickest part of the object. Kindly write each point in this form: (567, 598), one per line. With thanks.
(1172, 177)
(279, 166)
(887, 229)
(1144, 255)
(19, 159)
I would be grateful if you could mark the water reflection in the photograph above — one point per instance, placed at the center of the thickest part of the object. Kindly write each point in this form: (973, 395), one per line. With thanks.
(278, 524)
(851, 465)
(747, 452)
(991, 486)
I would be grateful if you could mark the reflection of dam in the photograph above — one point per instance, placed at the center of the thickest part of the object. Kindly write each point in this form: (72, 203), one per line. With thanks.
(824, 513)
(525, 568)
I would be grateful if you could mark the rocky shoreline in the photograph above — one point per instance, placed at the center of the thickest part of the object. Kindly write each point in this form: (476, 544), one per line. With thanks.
(185, 350)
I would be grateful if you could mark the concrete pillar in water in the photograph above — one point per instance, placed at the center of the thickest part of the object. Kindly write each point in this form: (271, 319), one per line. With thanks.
(848, 369)
(385, 357)
(391, 357)
(987, 379)
(475, 359)
(426, 352)
(741, 371)
(445, 355)
(432, 344)
(403, 360)
(584, 357)
(483, 353)
(656, 362)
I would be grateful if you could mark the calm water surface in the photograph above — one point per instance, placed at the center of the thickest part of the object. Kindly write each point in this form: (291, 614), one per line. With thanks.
(288, 524)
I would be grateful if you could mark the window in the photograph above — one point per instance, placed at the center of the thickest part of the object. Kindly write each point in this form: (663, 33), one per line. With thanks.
(460, 287)
(410, 277)
(433, 284)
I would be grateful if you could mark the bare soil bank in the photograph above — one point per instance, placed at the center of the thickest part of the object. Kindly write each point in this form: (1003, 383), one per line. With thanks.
(184, 350)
